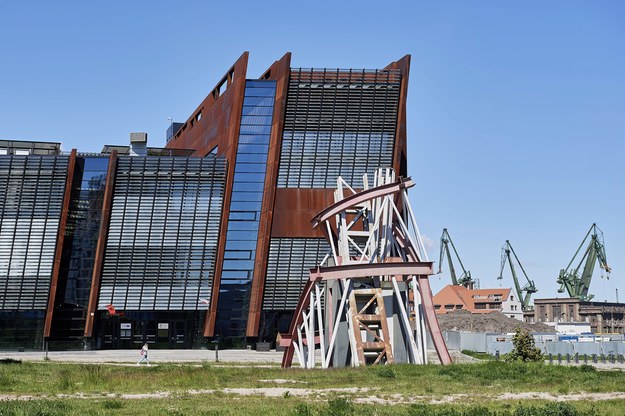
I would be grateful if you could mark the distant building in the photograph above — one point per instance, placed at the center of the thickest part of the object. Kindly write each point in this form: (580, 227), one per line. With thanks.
(502, 300)
(603, 317)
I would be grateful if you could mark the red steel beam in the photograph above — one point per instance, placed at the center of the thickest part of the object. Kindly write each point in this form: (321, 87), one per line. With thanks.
(432, 320)
(56, 268)
(356, 271)
(101, 244)
(360, 197)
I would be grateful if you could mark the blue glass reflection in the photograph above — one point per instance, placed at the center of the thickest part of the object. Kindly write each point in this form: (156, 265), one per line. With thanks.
(245, 205)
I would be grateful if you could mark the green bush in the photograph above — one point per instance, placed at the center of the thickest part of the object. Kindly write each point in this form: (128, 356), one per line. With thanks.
(524, 348)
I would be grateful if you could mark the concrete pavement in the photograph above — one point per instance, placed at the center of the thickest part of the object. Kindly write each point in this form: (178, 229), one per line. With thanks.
(156, 356)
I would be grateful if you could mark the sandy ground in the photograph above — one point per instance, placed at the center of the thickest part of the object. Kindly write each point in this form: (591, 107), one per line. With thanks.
(358, 395)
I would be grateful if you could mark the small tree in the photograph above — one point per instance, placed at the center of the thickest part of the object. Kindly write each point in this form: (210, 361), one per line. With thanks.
(524, 347)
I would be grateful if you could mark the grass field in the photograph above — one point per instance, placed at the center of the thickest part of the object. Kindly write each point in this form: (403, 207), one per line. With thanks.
(49, 388)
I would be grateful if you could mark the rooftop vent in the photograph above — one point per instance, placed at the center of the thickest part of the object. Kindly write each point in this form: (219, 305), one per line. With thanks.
(138, 144)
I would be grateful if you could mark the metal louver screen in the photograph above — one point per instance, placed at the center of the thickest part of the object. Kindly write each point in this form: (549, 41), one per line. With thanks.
(338, 123)
(31, 199)
(162, 240)
(290, 260)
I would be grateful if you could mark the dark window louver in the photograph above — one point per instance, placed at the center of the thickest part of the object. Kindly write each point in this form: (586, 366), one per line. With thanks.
(338, 123)
(31, 199)
(290, 260)
(162, 239)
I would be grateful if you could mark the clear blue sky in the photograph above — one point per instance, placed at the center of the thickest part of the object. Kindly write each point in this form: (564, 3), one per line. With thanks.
(516, 110)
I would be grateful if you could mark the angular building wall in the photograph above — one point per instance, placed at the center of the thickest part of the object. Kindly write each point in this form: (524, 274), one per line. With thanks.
(325, 123)
(32, 191)
(216, 243)
(336, 123)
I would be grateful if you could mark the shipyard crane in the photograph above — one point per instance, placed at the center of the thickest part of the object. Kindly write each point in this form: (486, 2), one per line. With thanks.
(524, 293)
(465, 278)
(577, 284)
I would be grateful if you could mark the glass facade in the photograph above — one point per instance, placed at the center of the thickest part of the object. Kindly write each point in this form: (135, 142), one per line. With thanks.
(81, 237)
(338, 123)
(162, 239)
(31, 199)
(245, 206)
(157, 259)
(290, 260)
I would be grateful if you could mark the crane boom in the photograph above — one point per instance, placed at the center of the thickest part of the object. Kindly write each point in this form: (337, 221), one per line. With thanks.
(529, 287)
(576, 284)
(464, 279)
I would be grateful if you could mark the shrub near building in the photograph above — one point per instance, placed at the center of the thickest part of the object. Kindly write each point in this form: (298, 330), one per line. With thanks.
(524, 348)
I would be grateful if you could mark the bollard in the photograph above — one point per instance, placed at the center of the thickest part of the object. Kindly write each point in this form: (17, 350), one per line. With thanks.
(603, 358)
(568, 358)
(559, 358)
(216, 342)
(576, 358)
(497, 355)
(621, 359)
(594, 358)
(550, 358)
(585, 358)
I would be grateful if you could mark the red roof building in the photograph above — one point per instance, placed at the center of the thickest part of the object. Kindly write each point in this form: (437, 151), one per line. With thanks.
(452, 298)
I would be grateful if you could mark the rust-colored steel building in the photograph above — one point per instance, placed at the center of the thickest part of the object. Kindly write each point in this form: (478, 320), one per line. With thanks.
(233, 247)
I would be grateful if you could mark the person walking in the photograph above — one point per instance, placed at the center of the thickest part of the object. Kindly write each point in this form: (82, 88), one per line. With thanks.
(144, 354)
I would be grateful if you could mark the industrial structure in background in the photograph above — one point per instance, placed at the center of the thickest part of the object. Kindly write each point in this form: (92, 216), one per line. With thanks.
(524, 293)
(577, 283)
(370, 301)
(579, 308)
(465, 278)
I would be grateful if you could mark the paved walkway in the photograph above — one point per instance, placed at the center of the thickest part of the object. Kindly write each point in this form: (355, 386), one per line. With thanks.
(156, 356)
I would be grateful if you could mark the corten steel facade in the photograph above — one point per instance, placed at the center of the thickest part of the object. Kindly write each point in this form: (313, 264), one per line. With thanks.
(324, 123)
(208, 237)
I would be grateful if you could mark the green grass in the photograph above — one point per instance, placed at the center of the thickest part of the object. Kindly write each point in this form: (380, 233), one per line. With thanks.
(231, 406)
(480, 381)
(479, 355)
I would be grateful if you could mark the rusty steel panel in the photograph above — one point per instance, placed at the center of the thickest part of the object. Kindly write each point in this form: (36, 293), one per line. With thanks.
(59, 244)
(295, 207)
(400, 155)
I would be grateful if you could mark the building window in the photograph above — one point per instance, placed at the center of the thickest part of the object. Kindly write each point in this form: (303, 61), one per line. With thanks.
(31, 199)
(338, 123)
(162, 239)
(245, 208)
(288, 265)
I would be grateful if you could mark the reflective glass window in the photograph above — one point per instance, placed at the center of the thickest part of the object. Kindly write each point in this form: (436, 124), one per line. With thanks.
(247, 195)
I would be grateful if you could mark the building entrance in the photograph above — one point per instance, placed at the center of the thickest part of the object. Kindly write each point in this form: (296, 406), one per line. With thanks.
(178, 337)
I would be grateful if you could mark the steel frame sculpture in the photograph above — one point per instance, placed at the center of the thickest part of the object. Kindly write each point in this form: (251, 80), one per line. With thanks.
(376, 250)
